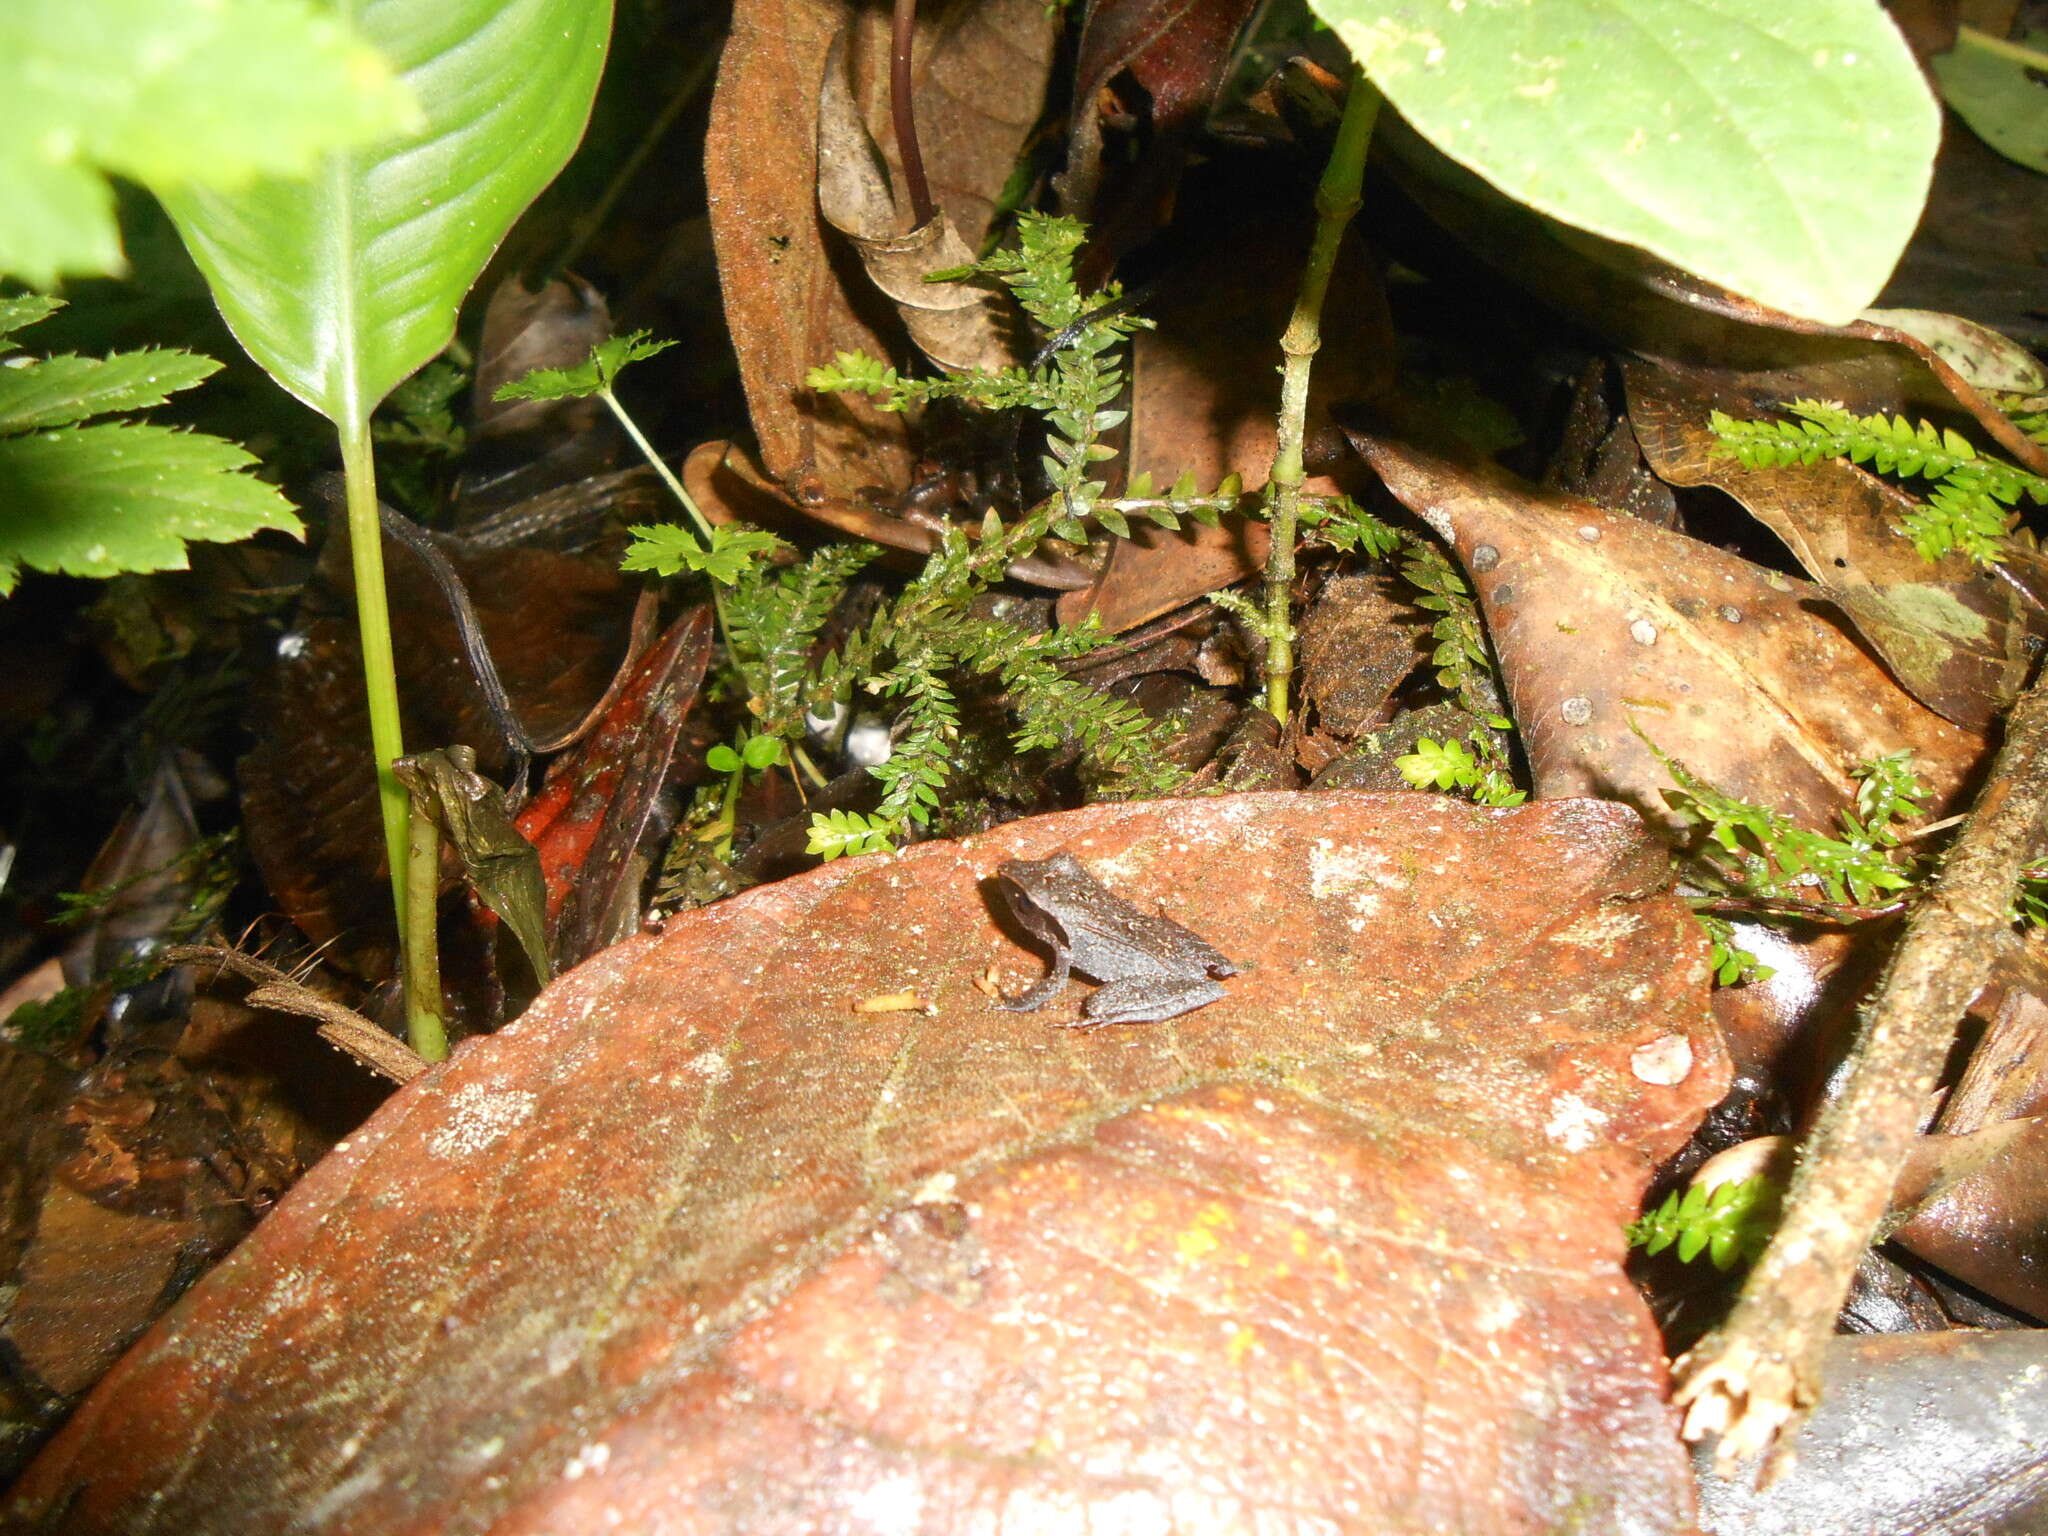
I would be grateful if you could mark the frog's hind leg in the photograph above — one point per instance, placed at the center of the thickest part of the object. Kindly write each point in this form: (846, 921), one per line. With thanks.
(1041, 994)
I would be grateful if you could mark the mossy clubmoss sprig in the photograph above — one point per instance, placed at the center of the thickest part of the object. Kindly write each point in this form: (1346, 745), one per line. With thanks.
(911, 650)
(1465, 671)
(1731, 1223)
(1753, 850)
(1973, 501)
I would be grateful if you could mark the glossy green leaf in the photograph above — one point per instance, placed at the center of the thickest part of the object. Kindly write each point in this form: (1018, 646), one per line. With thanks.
(1779, 149)
(99, 500)
(168, 93)
(1999, 94)
(342, 285)
(56, 391)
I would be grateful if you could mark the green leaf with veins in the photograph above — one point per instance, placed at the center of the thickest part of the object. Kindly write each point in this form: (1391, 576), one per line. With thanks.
(170, 93)
(119, 496)
(1781, 150)
(669, 549)
(57, 391)
(342, 285)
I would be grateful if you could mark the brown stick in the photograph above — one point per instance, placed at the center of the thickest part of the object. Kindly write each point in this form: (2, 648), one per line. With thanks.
(342, 1028)
(1754, 1380)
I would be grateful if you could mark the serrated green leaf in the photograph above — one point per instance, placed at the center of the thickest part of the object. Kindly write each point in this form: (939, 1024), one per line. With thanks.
(342, 285)
(57, 391)
(24, 310)
(170, 93)
(589, 377)
(118, 496)
(669, 549)
(1783, 151)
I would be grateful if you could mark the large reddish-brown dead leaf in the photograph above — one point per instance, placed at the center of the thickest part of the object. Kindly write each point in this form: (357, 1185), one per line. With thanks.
(793, 298)
(1604, 623)
(693, 1246)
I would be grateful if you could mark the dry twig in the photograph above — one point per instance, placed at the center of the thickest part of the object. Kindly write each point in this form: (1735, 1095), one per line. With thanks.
(1756, 1378)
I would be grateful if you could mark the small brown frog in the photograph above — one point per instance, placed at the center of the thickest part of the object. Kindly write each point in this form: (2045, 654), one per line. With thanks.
(1150, 967)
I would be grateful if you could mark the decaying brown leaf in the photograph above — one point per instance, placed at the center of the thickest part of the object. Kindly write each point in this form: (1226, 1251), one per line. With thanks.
(957, 325)
(1952, 633)
(1605, 625)
(557, 626)
(693, 1247)
(980, 74)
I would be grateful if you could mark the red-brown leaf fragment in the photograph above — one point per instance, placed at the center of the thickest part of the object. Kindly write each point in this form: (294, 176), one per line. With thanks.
(692, 1247)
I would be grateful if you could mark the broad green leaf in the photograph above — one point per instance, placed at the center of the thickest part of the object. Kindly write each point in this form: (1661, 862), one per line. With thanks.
(1781, 148)
(166, 92)
(56, 391)
(342, 285)
(1999, 94)
(99, 500)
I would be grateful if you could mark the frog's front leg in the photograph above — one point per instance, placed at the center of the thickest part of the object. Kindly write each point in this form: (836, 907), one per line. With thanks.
(1145, 1000)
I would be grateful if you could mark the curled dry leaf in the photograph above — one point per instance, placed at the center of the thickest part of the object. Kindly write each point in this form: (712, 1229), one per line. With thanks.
(520, 448)
(959, 326)
(980, 72)
(1953, 634)
(587, 820)
(693, 1247)
(1602, 622)
(1175, 52)
(557, 625)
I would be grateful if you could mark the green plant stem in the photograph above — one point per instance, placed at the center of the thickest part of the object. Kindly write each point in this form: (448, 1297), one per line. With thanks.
(424, 1008)
(1337, 198)
(669, 479)
(655, 461)
(380, 670)
(2005, 47)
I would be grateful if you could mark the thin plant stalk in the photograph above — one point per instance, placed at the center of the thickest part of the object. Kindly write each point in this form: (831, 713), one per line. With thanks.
(655, 462)
(1337, 199)
(424, 1009)
(689, 504)
(903, 113)
(380, 670)
(2006, 48)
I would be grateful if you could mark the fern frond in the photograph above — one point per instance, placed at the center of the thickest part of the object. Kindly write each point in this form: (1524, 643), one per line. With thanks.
(1757, 851)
